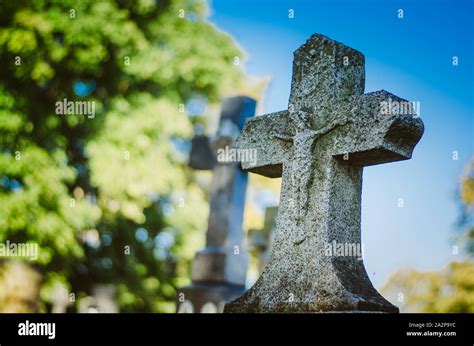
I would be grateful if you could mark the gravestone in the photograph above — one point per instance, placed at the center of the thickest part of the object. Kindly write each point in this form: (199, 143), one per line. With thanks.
(102, 300)
(261, 240)
(202, 155)
(219, 270)
(60, 299)
(319, 147)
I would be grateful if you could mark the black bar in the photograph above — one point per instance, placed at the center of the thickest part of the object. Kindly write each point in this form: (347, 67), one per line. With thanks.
(314, 329)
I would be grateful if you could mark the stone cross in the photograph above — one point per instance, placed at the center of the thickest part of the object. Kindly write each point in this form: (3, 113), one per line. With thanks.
(219, 270)
(319, 147)
(261, 240)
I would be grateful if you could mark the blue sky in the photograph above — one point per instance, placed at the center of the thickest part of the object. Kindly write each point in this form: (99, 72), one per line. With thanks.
(410, 57)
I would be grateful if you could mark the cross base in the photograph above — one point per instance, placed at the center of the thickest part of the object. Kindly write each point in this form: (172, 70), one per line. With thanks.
(333, 302)
(243, 307)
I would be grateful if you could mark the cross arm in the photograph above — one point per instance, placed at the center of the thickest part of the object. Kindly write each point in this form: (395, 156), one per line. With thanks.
(264, 134)
(377, 133)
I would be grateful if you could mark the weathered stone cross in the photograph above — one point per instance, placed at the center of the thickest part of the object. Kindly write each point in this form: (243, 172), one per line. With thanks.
(319, 147)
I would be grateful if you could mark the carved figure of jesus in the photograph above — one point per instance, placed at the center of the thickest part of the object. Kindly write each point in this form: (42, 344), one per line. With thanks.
(303, 164)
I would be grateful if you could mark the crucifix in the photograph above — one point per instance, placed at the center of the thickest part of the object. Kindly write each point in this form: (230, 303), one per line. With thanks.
(319, 147)
(303, 165)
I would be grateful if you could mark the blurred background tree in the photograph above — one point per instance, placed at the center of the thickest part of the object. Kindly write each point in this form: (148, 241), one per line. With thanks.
(450, 290)
(109, 198)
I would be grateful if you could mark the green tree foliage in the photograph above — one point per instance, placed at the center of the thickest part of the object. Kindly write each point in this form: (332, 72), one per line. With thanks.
(106, 197)
(450, 290)
(466, 222)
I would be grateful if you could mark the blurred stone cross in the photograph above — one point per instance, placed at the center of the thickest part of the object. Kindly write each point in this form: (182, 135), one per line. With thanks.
(219, 270)
(60, 299)
(319, 147)
(261, 240)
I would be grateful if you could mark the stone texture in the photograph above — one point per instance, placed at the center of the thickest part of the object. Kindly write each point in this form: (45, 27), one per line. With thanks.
(319, 147)
(219, 270)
